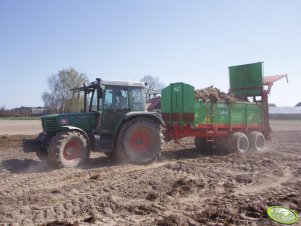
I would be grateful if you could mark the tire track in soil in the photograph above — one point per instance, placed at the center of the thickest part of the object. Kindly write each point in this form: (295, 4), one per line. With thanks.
(269, 182)
(22, 183)
(62, 180)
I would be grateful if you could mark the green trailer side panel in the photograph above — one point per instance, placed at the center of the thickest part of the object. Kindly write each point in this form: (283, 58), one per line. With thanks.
(176, 98)
(238, 114)
(228, 114)
(207, 112)
(178, 106)
(177, 103)
(222, 113)
(166, 100)
(200, 113)
(255, 114)
(246, 79)
(166, 103)
(182, 97)
(188, 98)
(203, 112)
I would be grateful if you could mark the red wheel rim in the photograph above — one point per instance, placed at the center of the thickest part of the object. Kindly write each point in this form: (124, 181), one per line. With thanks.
(72, 150)
(140, 141)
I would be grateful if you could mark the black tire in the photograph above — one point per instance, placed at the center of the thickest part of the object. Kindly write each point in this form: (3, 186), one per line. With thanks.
(257, 141)
(198, 142)
(138, 141)
(209, 148)
(202, 145)
(68, 149)
(239, 142)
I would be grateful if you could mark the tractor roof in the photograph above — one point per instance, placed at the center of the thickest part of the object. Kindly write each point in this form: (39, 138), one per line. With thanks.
(98, 81)
(123, 83)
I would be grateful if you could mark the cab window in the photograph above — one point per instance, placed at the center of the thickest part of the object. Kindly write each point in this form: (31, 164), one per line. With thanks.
(116, 98)
(138, 99)
(93, 103)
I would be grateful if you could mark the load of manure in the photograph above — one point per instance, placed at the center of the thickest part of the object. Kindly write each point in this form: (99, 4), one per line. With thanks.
(214, 95)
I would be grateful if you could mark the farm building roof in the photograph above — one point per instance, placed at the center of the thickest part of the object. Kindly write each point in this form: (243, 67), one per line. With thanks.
(284, 110)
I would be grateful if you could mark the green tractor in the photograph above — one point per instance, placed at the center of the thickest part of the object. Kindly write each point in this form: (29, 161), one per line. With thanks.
(114, 121)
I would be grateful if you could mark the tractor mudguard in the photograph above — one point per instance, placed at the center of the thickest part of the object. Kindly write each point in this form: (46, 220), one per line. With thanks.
(69, 128)
(155, 116)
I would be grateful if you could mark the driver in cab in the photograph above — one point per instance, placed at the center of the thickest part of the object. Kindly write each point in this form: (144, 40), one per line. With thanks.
(121, 100)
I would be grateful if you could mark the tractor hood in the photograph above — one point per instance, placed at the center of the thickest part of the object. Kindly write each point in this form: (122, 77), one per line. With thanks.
(54, 123)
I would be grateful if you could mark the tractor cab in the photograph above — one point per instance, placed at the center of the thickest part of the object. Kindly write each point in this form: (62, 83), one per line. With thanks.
(103, 95)
(111, 100)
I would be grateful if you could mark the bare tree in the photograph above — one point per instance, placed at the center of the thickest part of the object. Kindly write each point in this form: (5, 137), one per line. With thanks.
(59, 86)
(153, 82)
(154, 86)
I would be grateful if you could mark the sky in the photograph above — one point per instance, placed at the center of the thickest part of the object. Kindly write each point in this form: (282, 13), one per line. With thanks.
(191, 41)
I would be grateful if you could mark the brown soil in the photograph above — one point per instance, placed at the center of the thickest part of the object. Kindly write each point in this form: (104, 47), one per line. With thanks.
(20, 127)
(183, 188)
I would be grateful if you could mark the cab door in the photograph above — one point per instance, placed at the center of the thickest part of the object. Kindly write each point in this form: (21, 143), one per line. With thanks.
(112, 112)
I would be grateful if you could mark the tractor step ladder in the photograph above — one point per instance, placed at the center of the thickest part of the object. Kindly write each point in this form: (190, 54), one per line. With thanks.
(210, 125)
(210, 132)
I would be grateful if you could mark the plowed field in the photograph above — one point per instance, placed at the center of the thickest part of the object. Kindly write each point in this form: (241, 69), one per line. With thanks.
(182, 188)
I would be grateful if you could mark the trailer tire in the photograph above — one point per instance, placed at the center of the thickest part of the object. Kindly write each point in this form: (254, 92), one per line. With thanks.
(202, 145)
(257, 141)
(139, 141)
(239, 142)
(68, 149)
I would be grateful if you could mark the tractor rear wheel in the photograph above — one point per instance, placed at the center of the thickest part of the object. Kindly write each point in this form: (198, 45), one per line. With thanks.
(139, 141)
(239, 142)
(257, 141)
(68, 149)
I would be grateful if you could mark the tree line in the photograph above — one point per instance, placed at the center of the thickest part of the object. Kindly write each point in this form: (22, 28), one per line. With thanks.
(58, 95)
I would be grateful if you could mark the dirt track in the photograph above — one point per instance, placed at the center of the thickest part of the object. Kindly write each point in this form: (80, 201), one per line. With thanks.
(184, 188)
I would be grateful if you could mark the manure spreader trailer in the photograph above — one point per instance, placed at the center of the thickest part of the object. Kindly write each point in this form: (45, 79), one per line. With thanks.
(241, 125)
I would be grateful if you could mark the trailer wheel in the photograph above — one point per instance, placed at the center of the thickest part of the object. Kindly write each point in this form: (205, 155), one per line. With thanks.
(257, 141)
(68, 149)
(139, 141)
(239, 142)
(202, 145)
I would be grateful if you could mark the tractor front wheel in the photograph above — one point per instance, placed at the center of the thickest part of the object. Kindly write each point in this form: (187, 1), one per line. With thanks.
(68, 149)
(139, 141)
